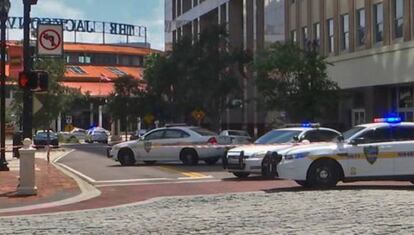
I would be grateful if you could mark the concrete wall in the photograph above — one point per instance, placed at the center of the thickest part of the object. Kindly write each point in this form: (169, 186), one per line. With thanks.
(379, 66)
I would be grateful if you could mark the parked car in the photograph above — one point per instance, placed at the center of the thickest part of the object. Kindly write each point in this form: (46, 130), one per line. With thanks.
(75, 135)
(96, 135)
(252, 159)
(40, 139)
(137, 134)
(188, 144)
(237, 136)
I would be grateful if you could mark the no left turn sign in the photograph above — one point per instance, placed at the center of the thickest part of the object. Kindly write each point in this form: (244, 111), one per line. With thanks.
(49, 40)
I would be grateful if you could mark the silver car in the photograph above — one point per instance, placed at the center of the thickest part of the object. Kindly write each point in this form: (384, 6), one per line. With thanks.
(96, 135)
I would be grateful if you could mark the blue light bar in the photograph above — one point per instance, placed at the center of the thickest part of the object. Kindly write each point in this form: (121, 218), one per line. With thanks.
(388, 120)
(306, 124)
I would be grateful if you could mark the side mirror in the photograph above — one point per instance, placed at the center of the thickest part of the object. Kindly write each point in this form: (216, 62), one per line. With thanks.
(296, 138)
(141, 138)
(340, 138)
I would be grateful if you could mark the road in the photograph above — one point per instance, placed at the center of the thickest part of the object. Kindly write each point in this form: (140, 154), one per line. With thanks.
(90, 162)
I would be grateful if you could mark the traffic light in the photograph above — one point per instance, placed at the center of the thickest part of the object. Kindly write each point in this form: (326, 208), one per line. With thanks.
(34, 80)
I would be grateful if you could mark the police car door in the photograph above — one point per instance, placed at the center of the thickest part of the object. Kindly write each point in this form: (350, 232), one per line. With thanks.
(370, 154)
(404, 145)
(149, 148)
(174, 140)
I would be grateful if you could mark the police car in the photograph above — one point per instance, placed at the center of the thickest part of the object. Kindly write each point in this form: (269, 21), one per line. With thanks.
(174, 143)
(250, 159)
(383, 150)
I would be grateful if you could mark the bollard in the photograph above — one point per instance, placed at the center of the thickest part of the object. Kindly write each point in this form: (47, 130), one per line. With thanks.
(27, 184)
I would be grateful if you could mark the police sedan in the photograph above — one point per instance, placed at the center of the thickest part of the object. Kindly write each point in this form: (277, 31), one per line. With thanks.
(383, 150)
(250, 159)
(180, 143)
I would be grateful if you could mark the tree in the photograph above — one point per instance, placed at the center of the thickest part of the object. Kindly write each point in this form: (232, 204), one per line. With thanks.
(296, 81)
(199, 74)
(126, 102)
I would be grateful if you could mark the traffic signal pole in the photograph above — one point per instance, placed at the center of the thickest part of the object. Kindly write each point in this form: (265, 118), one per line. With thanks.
(27, 67)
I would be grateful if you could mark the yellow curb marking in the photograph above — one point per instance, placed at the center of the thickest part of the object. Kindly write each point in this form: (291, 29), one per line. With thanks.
(185, 173)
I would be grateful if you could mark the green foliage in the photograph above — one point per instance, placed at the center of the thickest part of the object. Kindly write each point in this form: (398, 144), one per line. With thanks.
(296, 81)
(127, 101)
(199, 74)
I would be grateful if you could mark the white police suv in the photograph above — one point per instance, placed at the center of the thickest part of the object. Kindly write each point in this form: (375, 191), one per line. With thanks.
(251, 159)
(383, 150)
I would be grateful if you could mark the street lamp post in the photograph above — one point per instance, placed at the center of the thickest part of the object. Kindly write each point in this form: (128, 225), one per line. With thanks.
(4, 12)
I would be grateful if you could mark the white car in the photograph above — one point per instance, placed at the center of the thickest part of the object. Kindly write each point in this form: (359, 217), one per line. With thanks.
(250, 159)
(237, 136)
(383, 150)
(182, 143)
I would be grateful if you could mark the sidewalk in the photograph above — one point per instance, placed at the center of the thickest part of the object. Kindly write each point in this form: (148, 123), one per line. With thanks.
(52, 184)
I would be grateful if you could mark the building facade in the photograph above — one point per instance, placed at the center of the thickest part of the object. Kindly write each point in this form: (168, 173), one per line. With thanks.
(92, 69)
(371, 46)
(251, 25)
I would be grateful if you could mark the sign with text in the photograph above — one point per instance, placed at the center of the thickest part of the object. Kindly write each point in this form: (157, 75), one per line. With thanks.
(49, 40)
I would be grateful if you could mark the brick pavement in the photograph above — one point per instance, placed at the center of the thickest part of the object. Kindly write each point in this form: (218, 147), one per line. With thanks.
(52, 184)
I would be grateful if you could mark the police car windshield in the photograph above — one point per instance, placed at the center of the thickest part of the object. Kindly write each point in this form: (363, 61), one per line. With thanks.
(351, 132)
(277, 136)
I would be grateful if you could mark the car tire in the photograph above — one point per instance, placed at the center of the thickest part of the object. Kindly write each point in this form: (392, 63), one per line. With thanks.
(211, 161)
(323, 174)
(189, 157)
(241, 175)
(150, 162)
(126, 157)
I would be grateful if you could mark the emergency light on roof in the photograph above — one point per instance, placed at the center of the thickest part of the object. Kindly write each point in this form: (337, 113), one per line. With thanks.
(305, 124)
(388, 120)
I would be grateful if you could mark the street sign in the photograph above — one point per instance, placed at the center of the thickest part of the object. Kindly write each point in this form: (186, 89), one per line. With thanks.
(37, 105)
(50, 40)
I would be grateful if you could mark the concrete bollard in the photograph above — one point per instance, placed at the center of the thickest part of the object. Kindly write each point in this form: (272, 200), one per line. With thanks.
(27, 184)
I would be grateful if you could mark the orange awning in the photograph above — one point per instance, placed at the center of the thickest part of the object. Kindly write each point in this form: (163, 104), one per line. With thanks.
(93, 72)
(107, 48)
(93, 88)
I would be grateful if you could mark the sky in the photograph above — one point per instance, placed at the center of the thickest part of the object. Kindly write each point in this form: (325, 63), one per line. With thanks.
(149, 13)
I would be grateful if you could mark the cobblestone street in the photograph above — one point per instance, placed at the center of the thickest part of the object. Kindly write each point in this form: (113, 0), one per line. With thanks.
(355, 211)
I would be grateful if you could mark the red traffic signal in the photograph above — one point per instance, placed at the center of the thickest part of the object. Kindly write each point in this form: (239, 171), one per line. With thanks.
(34, 80)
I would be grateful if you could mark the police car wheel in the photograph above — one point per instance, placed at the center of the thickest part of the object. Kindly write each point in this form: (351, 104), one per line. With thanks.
(126, 158)
(241, 174)
(189, 157)
(323, 174)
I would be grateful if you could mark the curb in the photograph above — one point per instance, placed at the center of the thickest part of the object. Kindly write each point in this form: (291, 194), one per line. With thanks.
(87, 192)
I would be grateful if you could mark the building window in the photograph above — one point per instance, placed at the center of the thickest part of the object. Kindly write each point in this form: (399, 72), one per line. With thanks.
(360, 27)
(76, 69)
(378, 22)
(305, 36)
(317, 33)
(116, 71)
(345, 32)
(398, 17)
(331, 40)
(84, 59)
(293, 36)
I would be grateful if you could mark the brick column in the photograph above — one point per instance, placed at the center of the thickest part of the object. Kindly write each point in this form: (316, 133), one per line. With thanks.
(323, 27)
(337, 27)
(351, 5)
(368, 24)
(287, 21)
(387, 22)
(407, 20)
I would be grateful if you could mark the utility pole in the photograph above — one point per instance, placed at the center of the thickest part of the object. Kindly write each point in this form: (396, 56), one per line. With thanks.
(27, 67)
